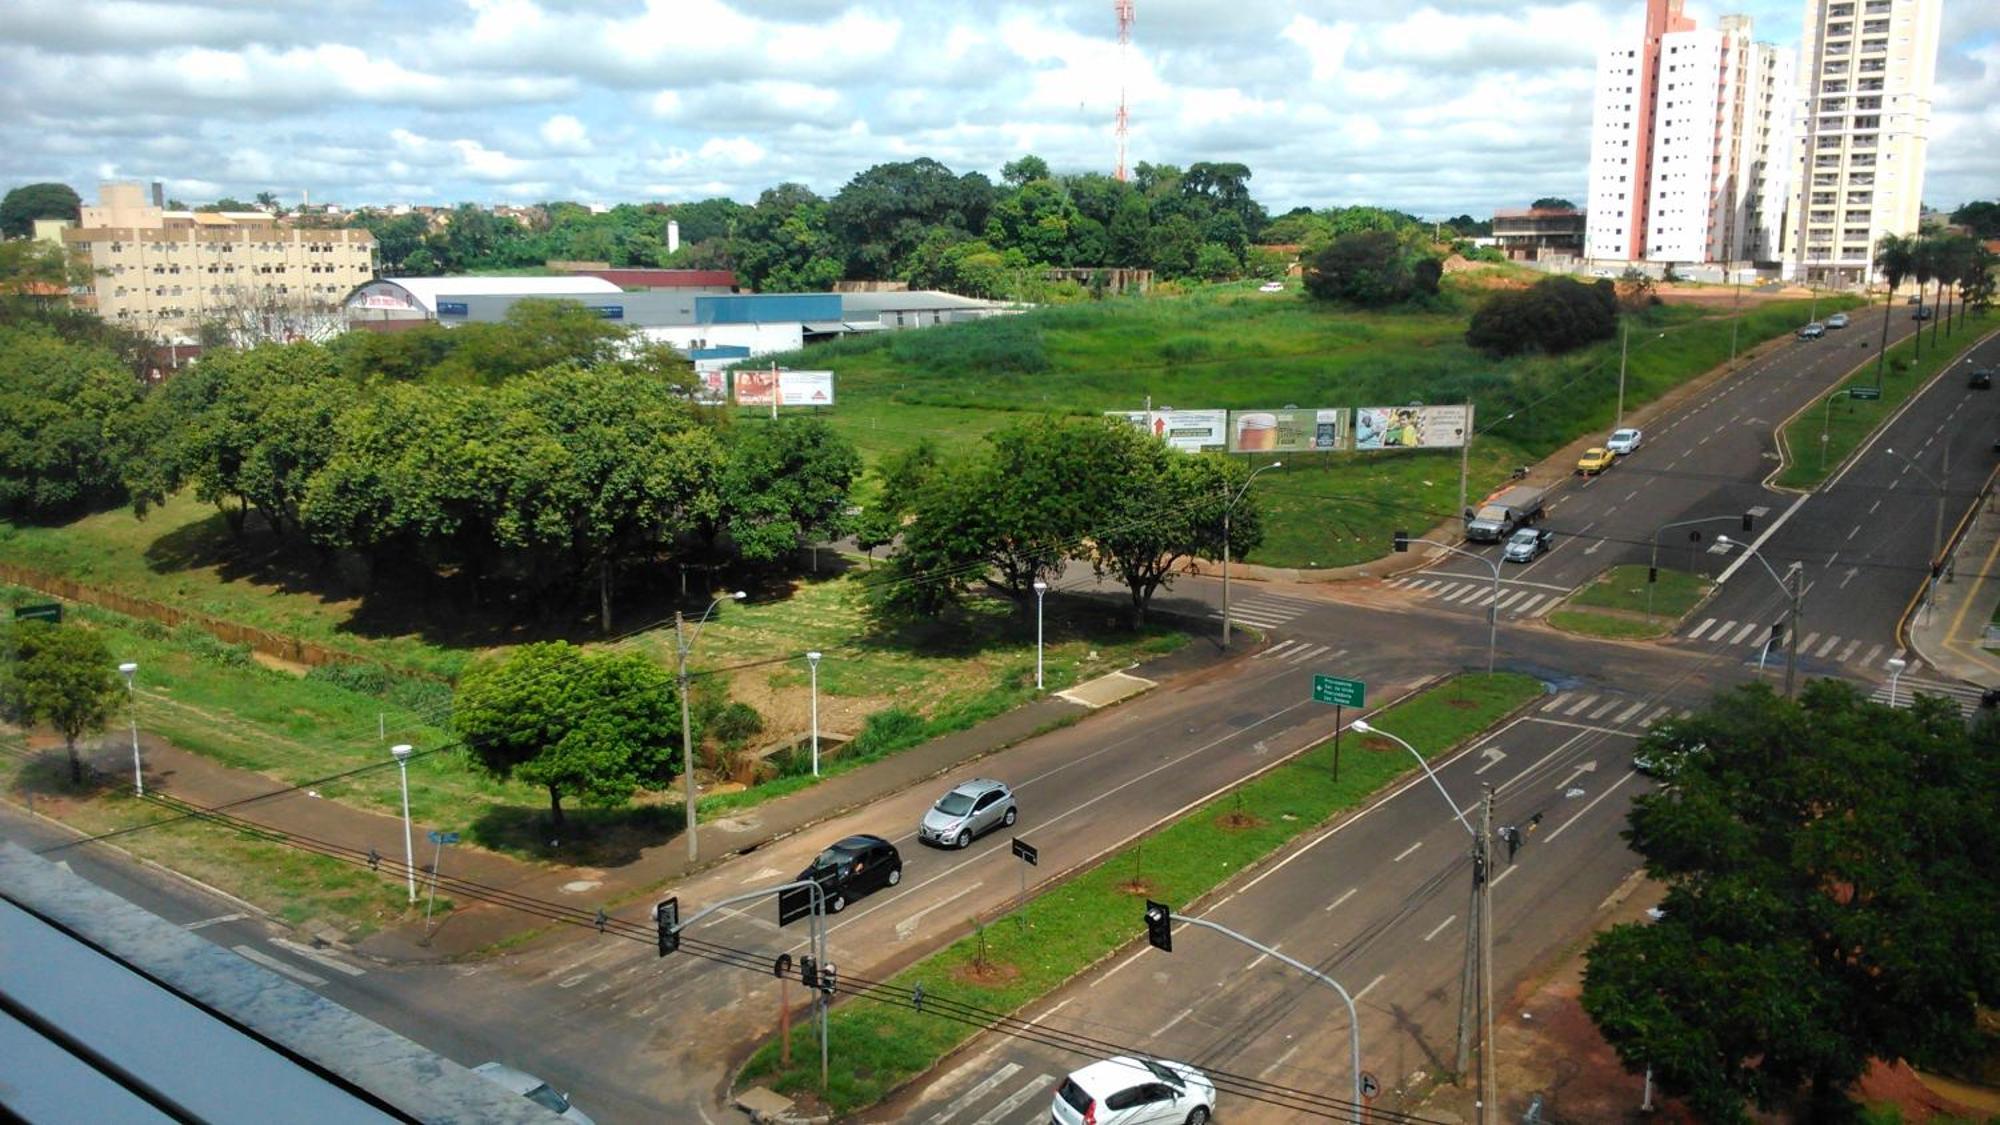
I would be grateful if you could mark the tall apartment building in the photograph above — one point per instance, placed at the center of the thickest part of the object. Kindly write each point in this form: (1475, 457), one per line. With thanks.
(165, 273)
(1865, 116)
(1689, 144)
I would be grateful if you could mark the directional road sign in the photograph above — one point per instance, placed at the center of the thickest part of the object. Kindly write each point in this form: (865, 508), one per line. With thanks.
(1339, 692)
(1864, 392)
(794, 903)
(50, 612)
(444, 837)
(1027, 852)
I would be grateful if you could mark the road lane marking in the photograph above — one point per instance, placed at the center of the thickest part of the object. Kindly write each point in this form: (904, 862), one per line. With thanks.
(1869, 660)
(1038, 1085)
(1625, 716)
(277, 966)
(207, 922)
(1604, 710)
(1579, 705)
(1275, 649)
(1649, 720)
(1580, 813)
(908, 926)
(1848, 652)
(1700, 629)
(1366, 988)
(1769, 531)
(1805, 646)
(1502, 877)
(1407, 851)
(963, 1101)
(1439, 928)
(1502, 603)
(1343, 898)
(1168, 1026)
(1284, 1058)
(1743, 634)
(318, 957)
(1826, 648)
(1524, 607)
(1554, 702)
(1872, 507)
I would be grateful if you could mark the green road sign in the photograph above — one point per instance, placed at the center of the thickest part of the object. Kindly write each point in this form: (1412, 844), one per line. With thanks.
(1334, 690)
(1864, 392)
(51, 612)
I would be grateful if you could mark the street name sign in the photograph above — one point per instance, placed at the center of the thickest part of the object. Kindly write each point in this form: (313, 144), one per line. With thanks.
(1027, 852)
(1864, 392)
(50, 612)
(1339, 692)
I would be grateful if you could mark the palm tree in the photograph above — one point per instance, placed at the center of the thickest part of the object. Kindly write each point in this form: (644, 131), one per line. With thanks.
(1923, 266)
(1894, 257)
(1961, 258)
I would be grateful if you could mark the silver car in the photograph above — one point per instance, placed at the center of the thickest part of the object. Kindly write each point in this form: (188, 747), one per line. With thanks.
(972, 807)
(532, 1088)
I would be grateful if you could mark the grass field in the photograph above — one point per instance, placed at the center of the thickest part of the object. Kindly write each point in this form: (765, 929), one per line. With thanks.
(1024, 955)
(1847, 422)
(1620, 604)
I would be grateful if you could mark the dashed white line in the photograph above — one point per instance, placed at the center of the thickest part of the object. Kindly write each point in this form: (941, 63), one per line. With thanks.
(277, 966)
(1406, 852)
(207, 922)
(1015, 1100)
(1580, 813)
(966, 1099)
(1439, 928)
(1343, 898)
(1370, 986)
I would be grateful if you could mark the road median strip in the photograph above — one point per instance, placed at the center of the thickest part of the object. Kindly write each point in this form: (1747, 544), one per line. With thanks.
(880, 1043)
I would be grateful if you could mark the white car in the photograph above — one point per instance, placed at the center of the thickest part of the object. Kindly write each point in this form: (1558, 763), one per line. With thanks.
(1837, 320)
(1624, 441)
(532, 1088)
(1271, 287)
(1129, 1091)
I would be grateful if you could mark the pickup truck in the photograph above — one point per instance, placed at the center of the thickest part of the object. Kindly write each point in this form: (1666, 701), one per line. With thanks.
(1501, 514)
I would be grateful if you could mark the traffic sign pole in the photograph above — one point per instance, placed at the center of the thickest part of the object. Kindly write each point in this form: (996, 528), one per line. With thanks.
(437, 857)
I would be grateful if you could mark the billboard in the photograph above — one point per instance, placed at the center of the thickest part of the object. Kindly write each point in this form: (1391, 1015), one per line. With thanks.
(1411, 427)
(765, 387)
(1290, 430)
(711, 385)
(1190, 431)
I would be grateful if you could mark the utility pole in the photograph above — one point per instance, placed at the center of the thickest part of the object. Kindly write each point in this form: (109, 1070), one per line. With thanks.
(687, 735)
(1796, 582)
(1624, 348)
(1487, 1079)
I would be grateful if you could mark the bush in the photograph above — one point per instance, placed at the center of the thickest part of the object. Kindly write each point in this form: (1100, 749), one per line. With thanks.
(736, 724)
(888, 730)
(203, 645)
(1555, 315)
(1370, 267)
(429, 698)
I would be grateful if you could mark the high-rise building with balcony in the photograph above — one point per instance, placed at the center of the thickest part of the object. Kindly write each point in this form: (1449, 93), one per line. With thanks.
(1867, 68)
(1690, 151)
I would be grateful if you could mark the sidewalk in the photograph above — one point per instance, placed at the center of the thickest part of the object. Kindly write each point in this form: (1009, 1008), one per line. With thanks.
(476, 926)
(1949, 634)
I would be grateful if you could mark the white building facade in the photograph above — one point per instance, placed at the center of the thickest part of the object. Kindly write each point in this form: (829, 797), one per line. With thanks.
(1864, 127)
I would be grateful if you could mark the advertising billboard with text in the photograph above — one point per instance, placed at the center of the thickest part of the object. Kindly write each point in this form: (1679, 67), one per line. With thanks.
(1287, 431)
(1190, 431)
(1411, 427)
(805, 388)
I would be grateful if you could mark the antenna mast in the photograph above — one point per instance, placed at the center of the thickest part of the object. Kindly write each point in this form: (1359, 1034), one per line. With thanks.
(1124, 8)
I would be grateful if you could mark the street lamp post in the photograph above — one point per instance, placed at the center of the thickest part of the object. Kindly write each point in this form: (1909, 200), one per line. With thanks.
(1937, 520)
(683, 644)
(1492, 602)
(1896, 666)
(812, 663)
(1624, 349)
(1226, 509)
(1041, 589)
(1794, 586)
(1478, 932)
(129, 670)
(401, 752)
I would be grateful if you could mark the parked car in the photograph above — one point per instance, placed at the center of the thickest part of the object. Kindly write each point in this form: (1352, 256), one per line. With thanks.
(1981, 379)
(532, 1088)
(1271, 287)
(854, 867)
(1595, 460)
(1921, 312)
(1812, 331)
(1129, 1091)
(970, 809)
(1624, 441)
(1837, 320)
(1528, 544)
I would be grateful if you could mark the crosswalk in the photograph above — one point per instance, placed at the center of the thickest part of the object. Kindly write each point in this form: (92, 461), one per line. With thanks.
(1266, 611)
(1299, 652)
(1820, 646)
(998, 1096)
(1608, 709)
(1909, 687)
(1514, 600)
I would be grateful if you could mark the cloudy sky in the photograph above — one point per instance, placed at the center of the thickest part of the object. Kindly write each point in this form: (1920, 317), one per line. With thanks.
(1437, 108)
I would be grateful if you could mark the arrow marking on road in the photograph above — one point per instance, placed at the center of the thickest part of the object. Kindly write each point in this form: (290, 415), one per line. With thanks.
(1493, 755)
(1579, 771)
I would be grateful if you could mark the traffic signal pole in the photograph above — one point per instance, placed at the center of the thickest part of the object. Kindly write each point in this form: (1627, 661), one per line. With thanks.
(815, 940)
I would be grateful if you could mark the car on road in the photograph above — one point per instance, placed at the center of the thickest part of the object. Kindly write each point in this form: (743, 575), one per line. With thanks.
(1595, 460)
(1134, 1091)
(532, 1088)
(1837, 320)
(1271, 287)
(970, 809)
(854, 867)
(1528, 544)
(1624, 441)
(1812, 331)
(1664, 760)
(1981, 379)
(1921, 312)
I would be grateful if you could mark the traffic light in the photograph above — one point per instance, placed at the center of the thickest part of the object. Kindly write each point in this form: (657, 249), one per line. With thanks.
(1402, 541)
(828, 977)
(667, 916)
(1748, 520)
(1777, 632)
(1652, 574)
(782, 967)
(808, 972)
(1160, 921)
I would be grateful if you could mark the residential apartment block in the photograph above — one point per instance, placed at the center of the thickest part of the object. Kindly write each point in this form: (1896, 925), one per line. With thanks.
(1690, 144)
(165, 273)
(1865, 115)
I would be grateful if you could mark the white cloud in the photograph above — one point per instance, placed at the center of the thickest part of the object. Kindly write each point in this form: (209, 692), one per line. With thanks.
(565, 134)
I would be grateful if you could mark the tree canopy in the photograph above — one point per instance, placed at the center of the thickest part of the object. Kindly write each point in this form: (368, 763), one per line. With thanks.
(1831, 898)
(1371, 267)
(61, 675)
(23, 205)
(1554, 315)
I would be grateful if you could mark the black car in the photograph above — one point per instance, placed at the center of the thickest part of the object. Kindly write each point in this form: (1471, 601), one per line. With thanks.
(1921, 312)
(854, 867)
(1981, 380)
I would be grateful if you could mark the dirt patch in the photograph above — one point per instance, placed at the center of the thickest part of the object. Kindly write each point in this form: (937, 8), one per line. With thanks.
(1239, 821)
(1136, 887)
(990, 974)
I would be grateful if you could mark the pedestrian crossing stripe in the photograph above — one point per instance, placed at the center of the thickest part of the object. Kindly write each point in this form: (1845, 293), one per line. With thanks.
(1814, 645)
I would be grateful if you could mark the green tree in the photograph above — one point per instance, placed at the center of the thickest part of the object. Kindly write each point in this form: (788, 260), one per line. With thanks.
(1164, 507)
(1978, 285)
(596, 727)
(1555, 315)
(1895, 258)
(1369, 267)
(65, 413)
(61, 675)
(784, 483)
(902, 476)
(23, 205)
(884, 213)
(1552, 203)
(1024, 171)
(40, 273)
(783, 244)
(1831, 898)
(1980, 217)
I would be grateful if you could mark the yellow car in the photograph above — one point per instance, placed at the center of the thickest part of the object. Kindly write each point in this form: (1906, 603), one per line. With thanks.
(1594, 460)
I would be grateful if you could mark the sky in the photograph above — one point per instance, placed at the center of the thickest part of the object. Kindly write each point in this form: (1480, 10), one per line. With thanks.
(1434, 108)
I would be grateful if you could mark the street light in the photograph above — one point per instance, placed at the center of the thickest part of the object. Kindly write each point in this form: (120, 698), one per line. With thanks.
(1479, 930)
(1624, 348)
(1896, 666)
(683, 643)
(1041, 588)
(401, 751)
(812, 662)
(129, 670)
(1226, 509)
(1937, 521)
(1794, 586)
(1402, 543)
